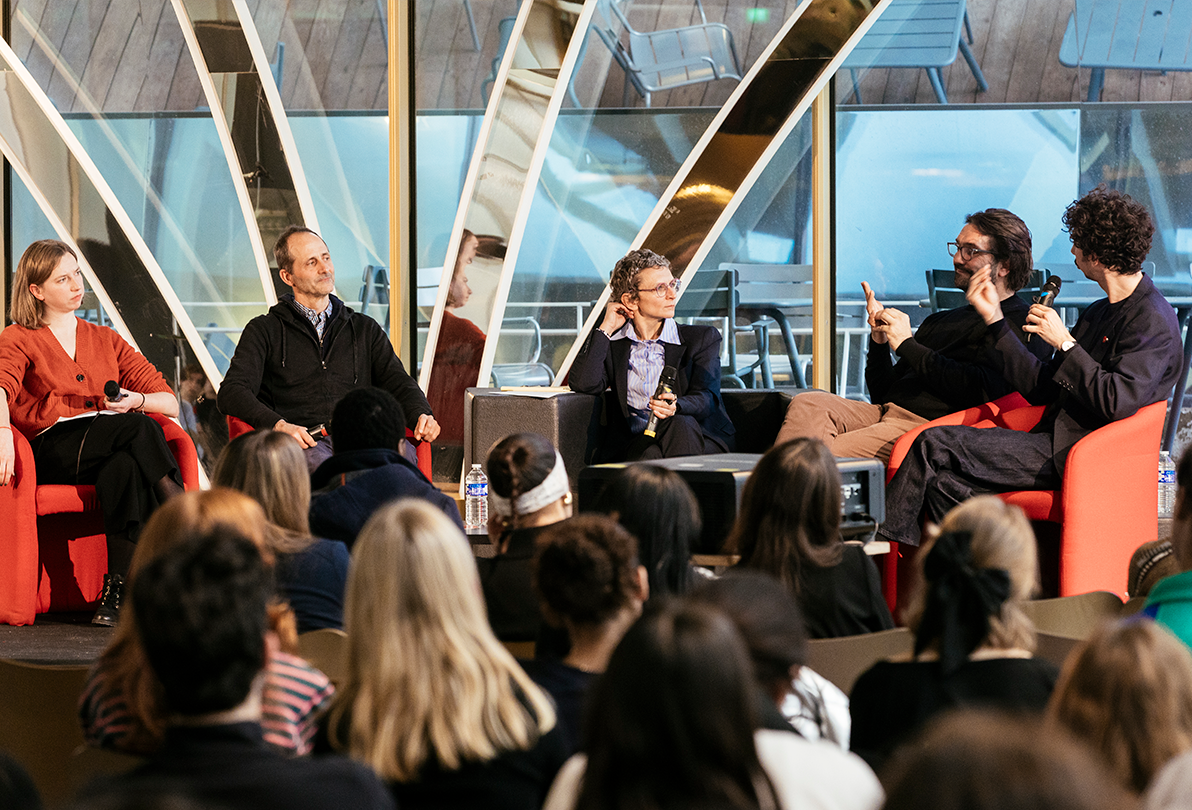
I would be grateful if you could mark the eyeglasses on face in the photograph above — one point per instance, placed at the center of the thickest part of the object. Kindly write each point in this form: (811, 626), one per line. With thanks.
(674, 286)
(966, 251)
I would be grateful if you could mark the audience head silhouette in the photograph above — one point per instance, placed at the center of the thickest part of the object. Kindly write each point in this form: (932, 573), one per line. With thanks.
(527, 478)
(976, 760)
(269, 467)
(427, 681)
(790, 512)
(658, 508)
(1127, 692)
(977, 570)
(673, 716)
(201, 611)
(367, 419)
(587, 573)
(769, 621)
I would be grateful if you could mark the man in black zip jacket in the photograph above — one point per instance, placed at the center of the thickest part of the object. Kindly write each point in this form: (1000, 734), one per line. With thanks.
(295, 362)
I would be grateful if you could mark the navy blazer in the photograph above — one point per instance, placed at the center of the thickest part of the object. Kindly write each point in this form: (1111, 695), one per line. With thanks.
(603, 364)
(1127, 355)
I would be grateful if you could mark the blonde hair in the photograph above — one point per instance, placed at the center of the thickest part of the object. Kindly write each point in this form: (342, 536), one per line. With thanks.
(37, 264)
(426, 680)
(1002, 538)
(1127, 692)
(123, 662)
(269, 467)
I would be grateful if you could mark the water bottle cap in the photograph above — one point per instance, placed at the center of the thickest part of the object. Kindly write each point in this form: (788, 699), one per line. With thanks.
(475, 466)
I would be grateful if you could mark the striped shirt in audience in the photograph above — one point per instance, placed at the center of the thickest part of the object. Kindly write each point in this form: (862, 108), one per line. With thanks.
(295, 693)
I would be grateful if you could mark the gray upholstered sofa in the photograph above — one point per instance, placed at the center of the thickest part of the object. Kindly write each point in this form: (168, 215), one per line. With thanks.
(572, 421)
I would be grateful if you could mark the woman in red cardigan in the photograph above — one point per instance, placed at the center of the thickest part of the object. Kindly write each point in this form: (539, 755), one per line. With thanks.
(53, 370)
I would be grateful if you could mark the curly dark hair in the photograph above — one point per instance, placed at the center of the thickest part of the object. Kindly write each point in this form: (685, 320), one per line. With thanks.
(1011, 242)
(1111, 227)
(585, 569)
(624, 278)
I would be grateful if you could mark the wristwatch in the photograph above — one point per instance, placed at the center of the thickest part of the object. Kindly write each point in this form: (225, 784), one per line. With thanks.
(1067, 344)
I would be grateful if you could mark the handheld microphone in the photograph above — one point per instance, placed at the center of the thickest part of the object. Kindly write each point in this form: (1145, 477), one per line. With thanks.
(664, 387)
(1047, 294)
(111, 390)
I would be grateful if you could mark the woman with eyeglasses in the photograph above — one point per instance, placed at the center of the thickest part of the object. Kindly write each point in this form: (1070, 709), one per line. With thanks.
(628, 354)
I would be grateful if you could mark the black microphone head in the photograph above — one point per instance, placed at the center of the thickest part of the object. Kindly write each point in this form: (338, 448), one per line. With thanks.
(111, 390)
(1052, 285)
(669, 373)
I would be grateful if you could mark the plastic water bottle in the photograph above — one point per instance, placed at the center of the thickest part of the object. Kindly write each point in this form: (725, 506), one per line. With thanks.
(1166, 485)
(476, 498)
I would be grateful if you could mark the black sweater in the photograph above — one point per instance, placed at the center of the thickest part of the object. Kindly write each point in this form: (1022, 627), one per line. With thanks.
(946, 366)
(280, 371)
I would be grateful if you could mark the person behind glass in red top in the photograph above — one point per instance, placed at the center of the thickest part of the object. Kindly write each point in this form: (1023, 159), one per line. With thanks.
(53, 370)
(457, 354)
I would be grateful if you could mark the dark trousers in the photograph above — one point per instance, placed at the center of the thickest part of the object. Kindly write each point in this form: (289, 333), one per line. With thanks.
(677, 436)
(123, 455)
(950, 464)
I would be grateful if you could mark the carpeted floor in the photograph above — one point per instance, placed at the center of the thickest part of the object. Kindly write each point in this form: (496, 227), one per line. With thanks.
(55, 638)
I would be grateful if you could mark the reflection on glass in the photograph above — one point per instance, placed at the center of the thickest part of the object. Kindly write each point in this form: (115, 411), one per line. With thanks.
(506, 164)
(750, 126)
(40, 155)
(181, 209)
(457, 358)
(156, 165)
(254, 129)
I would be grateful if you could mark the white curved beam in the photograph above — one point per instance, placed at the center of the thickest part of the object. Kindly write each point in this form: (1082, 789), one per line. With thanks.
(506, 78)
(683, 175)
(278, 113)
(215, 103)
(53, 118)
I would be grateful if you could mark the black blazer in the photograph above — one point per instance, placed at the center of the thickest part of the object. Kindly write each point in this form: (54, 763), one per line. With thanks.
(603, 364)
(1127, 355)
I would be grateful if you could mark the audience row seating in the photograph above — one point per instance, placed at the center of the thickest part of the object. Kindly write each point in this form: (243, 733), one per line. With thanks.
(39, 727)
(326, 649)
(53, 553)
(1061, 624)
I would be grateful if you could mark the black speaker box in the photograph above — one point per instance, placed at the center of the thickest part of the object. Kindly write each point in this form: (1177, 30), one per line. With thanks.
(718, 481)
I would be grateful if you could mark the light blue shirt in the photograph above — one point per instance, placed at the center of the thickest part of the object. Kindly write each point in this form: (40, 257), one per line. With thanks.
(647, 358)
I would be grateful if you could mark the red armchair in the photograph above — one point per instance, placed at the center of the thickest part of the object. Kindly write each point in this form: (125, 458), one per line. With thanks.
(1108, 503)
(238, 427)
(53, 553)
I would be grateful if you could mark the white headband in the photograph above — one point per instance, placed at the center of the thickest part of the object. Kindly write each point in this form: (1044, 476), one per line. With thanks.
(553, 487)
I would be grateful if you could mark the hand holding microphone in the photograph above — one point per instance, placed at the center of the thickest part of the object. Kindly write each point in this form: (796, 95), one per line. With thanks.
(665, 386)
(1047, 294)
(114, 394)
(1044, 321)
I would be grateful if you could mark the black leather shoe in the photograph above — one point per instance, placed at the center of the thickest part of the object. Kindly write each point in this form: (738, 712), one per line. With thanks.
(108, 612)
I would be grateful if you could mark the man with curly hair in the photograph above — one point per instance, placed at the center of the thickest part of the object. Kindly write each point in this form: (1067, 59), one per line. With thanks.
(627, 353)
(1123, 353)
